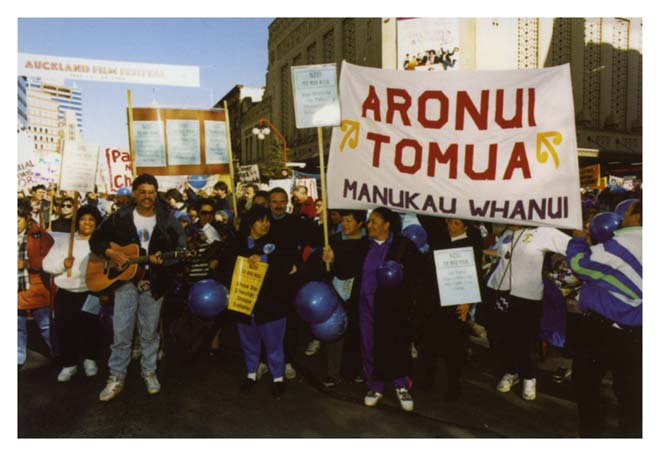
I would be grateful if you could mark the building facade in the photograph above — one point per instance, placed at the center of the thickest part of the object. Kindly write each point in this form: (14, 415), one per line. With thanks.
(605, 55)
(22, 102)
(49, 107)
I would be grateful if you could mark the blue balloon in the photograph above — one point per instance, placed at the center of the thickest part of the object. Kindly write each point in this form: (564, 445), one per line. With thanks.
(603, 226)
(623, 206)
(333, 328)
(316, 301)
(207, 298)
(197, 181)
(390, 274)
(417, 234)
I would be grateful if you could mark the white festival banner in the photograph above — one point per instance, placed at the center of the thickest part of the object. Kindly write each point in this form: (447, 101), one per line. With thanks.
(58, 68)
(496, 146)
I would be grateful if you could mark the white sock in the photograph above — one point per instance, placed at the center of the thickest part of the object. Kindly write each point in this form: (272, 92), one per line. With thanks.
(278, 379)
(252, 376)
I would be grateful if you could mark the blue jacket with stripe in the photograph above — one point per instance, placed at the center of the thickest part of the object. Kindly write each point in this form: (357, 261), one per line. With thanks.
(612, 275)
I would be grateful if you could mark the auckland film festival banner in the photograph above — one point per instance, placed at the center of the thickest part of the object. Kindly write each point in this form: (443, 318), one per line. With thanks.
(497, 146)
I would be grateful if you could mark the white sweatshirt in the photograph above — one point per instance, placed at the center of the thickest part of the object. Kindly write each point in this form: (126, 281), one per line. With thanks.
(54, 263)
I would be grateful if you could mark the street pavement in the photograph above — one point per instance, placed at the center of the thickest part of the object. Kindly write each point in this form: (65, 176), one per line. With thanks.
(200, 398)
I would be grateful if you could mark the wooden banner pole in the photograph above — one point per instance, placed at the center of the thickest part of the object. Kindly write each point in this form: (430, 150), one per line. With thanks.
(131, 141)
(231, 164)
(324, 202)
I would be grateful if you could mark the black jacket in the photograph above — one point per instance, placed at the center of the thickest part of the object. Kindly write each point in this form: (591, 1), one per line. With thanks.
(274, 296)
(166, 237)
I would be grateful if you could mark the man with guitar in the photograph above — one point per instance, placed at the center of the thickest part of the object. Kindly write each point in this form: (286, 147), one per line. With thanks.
(139, 300)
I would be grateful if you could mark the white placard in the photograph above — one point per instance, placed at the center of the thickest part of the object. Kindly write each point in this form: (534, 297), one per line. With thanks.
(149, 142)
(183, 145)
(79, 163)
(215, 139)
(316, 103)
(457, 276)
(50, 67)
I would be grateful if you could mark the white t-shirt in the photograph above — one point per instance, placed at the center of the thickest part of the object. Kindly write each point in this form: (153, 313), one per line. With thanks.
(145, 227)
(524, 277)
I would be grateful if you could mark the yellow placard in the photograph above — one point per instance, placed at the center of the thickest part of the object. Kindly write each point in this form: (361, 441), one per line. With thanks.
(245, 285)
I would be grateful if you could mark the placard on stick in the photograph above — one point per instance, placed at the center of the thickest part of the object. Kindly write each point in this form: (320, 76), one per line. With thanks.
(457, 276)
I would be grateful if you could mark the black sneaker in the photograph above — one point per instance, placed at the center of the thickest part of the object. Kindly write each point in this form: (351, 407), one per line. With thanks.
(247, 385)
(278, 389)
(358, 379)
(329, 382)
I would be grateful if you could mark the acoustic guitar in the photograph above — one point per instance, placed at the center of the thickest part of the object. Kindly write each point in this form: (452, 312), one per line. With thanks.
(103, 275)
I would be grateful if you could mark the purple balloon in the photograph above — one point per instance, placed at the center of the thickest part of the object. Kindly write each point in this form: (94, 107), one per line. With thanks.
(333, 328)
(390, 274)
(417, 234)
(316, 301)
(207, 298)
(603, 226)
(623, 206)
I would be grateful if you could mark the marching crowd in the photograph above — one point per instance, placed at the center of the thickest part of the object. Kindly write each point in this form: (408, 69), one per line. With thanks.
(387, 322)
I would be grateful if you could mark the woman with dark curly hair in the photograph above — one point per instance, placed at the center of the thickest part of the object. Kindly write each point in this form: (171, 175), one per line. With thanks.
(76, 329)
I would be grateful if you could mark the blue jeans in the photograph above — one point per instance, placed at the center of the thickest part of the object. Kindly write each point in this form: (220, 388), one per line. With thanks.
(134, 306)
(42, 319)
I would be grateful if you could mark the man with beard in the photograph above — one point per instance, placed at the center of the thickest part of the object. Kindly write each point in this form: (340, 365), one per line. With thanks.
(156, 231)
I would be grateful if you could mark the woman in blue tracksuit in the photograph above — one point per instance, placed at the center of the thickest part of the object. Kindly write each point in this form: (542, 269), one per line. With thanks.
(268, 320)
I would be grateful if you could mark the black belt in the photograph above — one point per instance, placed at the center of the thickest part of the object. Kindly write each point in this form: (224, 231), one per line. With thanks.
(635, 330)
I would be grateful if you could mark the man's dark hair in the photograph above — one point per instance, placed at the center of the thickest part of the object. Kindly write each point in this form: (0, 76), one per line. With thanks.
(38, 187)
(24, 208)
(174, 193)
(390, 216)
(278, 190)
(202, 202)
(145, 179)
(262, 193)
(358, 215)
(221, 185)
(252, 216)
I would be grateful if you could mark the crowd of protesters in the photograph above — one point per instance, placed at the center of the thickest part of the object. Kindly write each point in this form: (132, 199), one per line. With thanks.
(387, 326)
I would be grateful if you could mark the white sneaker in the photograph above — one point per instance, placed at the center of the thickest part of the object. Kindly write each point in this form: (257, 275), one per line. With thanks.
(261, 370)
(313, 348)
(372, 398)
(289, 371)
(90, 367)
(507, 381)
(529, 389)
(67, 373)
(113, 387)
(413, 351)
(405, 399)
(152, 383)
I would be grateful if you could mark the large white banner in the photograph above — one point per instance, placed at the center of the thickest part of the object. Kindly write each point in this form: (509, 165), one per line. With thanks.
(58, 68)
(497, 146)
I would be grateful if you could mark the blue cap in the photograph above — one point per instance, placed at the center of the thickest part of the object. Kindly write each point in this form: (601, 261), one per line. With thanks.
(125, 191)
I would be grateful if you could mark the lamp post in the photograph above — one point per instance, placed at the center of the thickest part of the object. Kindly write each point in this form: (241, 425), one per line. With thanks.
(263, 129)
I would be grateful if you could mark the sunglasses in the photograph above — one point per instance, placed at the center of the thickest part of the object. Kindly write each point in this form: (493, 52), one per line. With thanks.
(205, 212)
(67, 205)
